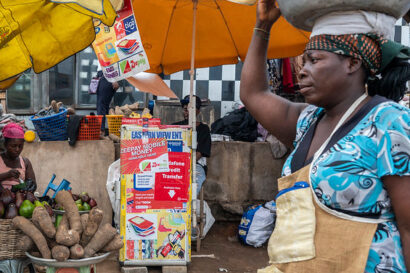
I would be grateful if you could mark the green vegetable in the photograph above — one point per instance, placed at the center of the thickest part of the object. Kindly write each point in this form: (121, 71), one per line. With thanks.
(79, 201)
(19, 186)
(58, 220)
(86, 206)
(26, 209)
(80, 207)
(45, 203)
(38, 204)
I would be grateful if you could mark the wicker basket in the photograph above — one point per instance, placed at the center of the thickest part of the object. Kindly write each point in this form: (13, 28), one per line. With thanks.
(9, 236)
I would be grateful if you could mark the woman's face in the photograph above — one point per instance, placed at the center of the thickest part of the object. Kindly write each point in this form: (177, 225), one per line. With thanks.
(323, 77)
(14, 147)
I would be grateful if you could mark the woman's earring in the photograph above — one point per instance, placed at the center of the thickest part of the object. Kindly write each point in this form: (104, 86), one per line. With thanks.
(366, 89)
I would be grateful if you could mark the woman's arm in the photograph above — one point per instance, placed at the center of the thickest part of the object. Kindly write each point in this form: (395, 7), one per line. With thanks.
(9, 174)
(398, 188)
(278, 115)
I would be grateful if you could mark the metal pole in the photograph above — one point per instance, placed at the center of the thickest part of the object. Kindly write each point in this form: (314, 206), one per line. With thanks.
(192, 114)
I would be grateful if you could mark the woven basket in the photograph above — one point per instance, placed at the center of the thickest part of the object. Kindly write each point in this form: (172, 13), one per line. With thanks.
(9, 236)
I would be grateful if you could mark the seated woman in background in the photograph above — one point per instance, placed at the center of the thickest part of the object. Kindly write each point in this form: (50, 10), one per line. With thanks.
(14, 168)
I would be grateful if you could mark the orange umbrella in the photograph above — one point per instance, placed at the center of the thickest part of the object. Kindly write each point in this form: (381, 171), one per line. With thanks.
(223, 33)
(151, 83)
(182, 34)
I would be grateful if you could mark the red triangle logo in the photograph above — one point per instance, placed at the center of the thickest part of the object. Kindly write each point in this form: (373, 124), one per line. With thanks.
(127, 68)
(148, 168)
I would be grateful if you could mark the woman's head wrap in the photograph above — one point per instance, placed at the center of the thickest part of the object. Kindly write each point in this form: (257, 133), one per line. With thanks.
(13, 130)
(375, 51)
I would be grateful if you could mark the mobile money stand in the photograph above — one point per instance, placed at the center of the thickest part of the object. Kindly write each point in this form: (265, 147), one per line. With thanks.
(155, 194)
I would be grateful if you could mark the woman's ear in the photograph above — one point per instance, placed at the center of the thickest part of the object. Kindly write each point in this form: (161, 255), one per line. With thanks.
(354, 65)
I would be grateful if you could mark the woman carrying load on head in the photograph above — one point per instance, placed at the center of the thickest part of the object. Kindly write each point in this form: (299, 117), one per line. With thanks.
(359, 172)
(13, 167)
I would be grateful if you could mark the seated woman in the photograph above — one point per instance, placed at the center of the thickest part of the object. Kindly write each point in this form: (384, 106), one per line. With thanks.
(13, 167)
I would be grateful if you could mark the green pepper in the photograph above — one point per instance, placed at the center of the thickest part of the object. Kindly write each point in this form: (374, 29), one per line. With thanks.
(26, 209)
(86, 206)
(80, 207)
(38, 204)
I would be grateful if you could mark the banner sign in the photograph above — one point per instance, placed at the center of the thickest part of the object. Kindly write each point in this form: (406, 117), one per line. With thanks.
(155, 194)
(119, 48)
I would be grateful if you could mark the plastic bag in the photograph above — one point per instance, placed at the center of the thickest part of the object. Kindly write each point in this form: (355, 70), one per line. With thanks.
(93, 85)
(209, 219)
(113, 189)
(257, 224)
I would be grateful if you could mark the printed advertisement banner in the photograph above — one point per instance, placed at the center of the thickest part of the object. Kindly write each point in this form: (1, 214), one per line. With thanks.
(160, 236)
(144, 155)
(119, 48)
(155, 194)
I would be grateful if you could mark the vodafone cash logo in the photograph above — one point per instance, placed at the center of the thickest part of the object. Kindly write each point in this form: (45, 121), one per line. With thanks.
(119, 30)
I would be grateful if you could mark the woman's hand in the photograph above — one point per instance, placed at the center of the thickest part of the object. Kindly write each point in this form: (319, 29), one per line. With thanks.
(13, 173)
(266, 14)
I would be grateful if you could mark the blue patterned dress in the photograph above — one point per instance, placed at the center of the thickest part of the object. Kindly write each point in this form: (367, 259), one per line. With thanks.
(374, 143)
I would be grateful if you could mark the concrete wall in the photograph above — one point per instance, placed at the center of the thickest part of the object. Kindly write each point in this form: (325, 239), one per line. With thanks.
(240, 174)
(85, 165)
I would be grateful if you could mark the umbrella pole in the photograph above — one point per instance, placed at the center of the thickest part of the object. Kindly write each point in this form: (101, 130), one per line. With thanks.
(192, 116)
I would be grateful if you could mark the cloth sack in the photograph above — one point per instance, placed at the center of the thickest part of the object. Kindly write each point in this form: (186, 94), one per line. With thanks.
(339, 245)
(257, 224)
(238, 124)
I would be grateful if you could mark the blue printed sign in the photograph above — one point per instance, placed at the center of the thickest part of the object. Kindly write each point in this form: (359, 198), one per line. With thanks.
(129, 25)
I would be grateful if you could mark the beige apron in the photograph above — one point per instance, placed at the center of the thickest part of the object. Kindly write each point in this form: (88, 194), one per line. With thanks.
(311, 238)
(339, 245)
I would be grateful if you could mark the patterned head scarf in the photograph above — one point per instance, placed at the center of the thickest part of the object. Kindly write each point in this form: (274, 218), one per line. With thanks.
(375, 51)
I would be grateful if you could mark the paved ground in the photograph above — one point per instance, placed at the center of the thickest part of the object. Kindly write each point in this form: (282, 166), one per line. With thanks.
(220, 241)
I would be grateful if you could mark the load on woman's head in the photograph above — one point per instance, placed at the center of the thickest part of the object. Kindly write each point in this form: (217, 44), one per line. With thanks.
(385, 62)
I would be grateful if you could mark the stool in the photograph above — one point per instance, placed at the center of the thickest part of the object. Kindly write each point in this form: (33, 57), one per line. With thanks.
(14, 266)
(64, 185)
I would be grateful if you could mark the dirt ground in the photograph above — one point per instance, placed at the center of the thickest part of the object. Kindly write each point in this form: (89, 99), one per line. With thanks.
(221, 241)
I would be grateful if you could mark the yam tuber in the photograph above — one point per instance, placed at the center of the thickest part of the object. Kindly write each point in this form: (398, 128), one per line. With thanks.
(65, 236)
(42, 219)
(76, 251)
(65, 199)
(31, 231)
(94, 219)
(115, 244)
(25, 244)
(84, 220)
(103, 236)
(60, 253)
